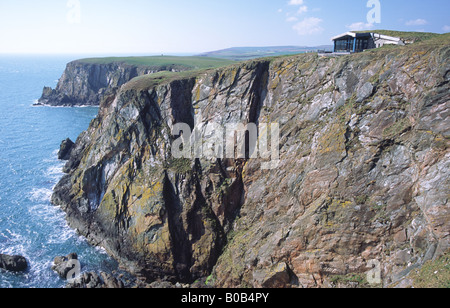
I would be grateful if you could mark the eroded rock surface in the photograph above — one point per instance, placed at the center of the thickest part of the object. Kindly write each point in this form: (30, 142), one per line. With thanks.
(363, 176)
(85, 84)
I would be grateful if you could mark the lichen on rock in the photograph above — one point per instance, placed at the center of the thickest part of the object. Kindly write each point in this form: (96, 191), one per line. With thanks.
(363, 176)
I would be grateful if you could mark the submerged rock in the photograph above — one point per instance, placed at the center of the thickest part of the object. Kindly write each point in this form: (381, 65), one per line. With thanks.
(13, 263)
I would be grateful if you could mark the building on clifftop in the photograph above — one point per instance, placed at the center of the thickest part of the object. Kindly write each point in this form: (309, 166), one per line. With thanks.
(351, 42)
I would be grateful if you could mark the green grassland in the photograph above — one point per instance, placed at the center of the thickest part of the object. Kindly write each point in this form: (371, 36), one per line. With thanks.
(249, 53)
(146, 82)
(407, 36)
(196, 65)
(188, 63)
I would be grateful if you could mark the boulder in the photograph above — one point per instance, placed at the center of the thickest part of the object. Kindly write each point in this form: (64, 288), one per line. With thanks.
(85, 281)
(65, 149)
(91, 280)
(13, 263)
(275, 277)
(63, 265)
(364, 92)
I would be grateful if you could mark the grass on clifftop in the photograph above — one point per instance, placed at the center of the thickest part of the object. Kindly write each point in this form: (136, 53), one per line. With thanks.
(146, 82)
(159, 61)
(408, 36)
(426, 41)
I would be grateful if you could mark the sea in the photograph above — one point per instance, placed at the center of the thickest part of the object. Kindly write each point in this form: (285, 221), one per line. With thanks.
(29, 169)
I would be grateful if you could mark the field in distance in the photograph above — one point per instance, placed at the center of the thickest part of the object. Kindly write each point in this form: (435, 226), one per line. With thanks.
(248, 53)
(190, 63)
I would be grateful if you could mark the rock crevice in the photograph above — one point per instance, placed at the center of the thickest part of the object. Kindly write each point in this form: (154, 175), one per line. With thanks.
(362, 179)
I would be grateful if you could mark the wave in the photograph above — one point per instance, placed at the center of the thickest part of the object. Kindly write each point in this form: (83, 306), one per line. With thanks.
(55, 172)
(53, 159)
(41, 194)
(16, 243)
(37, 104)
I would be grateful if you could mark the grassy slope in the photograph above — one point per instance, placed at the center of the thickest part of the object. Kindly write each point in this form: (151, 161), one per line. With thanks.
(423, 44)
(434, 274)
(146, 82)
(157, 61)
(408, 36)
(426, 42)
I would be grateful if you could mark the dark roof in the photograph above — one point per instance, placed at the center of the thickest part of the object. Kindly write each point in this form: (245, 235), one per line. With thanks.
(351, 34)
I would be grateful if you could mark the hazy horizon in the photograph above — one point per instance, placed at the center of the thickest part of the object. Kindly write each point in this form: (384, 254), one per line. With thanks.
(139, 27)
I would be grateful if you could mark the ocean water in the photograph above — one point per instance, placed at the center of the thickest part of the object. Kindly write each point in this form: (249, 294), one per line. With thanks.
(29, 141)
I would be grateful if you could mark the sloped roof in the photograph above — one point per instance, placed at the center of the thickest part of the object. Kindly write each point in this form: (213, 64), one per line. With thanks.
(352, 34)
(366, 34)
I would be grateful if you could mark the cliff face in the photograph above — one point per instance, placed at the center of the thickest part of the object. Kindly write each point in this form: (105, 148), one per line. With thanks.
(362, 180)
(85, 84)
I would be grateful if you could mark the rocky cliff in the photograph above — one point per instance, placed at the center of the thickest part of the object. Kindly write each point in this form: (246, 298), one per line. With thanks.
(362, 182)
(86, 83)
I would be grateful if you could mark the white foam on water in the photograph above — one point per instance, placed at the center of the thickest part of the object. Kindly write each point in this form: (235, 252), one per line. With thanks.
(52, 106)
(46, 212)
(55, 172)
(62, 232)
(101, 250)
(29, 224)
(53, 159)
(41, 194)
(46, 106)
(17, 243)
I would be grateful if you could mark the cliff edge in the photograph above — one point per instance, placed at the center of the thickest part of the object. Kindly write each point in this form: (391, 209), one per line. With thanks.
(360, 184)
(85, 82)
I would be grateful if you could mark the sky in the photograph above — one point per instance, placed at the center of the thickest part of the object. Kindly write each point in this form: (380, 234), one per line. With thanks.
(107, 27)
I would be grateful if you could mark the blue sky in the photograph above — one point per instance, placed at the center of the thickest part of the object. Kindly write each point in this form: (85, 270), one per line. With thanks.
(178, 26)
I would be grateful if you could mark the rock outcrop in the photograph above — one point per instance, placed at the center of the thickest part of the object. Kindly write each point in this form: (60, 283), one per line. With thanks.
(65, 266)
(362, 182)
(13, 263)
(91, 280)
(85, 83)
(65, 149)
